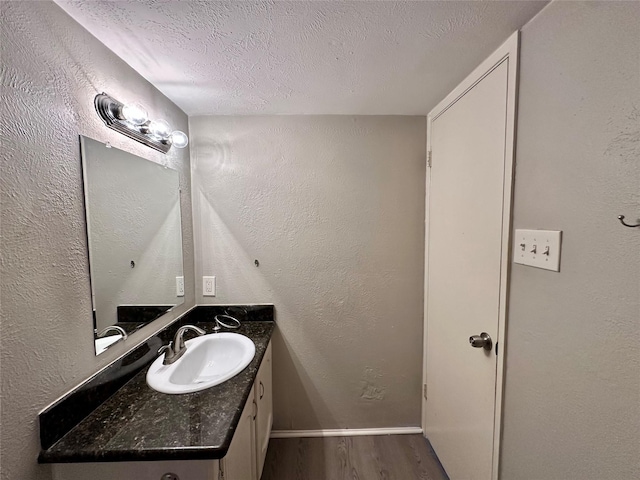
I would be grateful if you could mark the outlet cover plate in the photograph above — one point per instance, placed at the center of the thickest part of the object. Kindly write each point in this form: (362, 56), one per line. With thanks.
(208, 286)
(538, 248)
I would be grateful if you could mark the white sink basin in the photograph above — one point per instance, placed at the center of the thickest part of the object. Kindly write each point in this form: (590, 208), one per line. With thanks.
(209, 360)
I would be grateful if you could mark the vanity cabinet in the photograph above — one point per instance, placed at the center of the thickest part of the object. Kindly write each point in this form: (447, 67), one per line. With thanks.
(244, 459)
(248, 450)
(240, 461)
(264, 417)
(185, 470)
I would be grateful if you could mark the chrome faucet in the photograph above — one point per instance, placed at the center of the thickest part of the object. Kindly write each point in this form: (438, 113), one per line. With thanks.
(113, 328)
(176, 349)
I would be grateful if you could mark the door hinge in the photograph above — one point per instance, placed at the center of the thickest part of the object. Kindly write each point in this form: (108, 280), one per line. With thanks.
(424, 390)
(429, 157)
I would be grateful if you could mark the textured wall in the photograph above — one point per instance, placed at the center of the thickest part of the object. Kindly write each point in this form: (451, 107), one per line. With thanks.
(134, 214)
(50, 70)
(333, 209)
(572, 406)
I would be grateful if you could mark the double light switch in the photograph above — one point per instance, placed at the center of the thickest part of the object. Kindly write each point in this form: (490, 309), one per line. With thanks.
(538, 248)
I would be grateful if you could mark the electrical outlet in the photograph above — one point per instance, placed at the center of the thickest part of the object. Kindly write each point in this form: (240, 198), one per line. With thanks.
(209, 286)
(179, 286)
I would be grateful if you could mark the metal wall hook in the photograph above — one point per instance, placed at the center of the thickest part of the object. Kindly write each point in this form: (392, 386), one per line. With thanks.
(621, 218)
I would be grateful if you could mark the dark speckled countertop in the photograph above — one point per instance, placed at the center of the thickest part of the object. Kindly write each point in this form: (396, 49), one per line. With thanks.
(137, 423)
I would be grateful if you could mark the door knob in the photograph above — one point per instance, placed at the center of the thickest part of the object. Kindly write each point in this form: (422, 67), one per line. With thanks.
(481, 341)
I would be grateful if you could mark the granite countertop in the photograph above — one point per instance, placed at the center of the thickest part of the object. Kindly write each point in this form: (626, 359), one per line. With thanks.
(137, 423)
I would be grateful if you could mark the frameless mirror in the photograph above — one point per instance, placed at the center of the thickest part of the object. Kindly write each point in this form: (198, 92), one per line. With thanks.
(132, 208)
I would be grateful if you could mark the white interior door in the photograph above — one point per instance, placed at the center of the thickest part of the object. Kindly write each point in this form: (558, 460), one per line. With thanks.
(467, 254)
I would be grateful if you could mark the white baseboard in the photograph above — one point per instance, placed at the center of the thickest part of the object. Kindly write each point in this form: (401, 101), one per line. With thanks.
(347, 432)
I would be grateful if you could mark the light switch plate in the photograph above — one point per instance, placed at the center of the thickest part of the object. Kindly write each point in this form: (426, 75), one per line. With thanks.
(208, 286)
(179, 286)
(538, 248)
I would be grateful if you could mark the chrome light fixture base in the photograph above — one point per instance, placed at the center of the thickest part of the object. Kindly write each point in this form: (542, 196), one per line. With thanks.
(108, 109)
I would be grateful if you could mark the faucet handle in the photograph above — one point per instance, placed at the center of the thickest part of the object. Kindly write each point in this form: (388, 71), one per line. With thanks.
(168, 352)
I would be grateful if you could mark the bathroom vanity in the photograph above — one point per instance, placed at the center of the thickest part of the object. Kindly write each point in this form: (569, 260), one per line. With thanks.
(221, 433)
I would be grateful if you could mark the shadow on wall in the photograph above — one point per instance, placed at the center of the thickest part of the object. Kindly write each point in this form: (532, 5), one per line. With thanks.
(332, 207)
(296, 386)
(221, 252)
(319, 321)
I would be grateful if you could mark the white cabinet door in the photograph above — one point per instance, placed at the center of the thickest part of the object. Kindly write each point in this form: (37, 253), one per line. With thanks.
(184, 469)
(264, 400)
(240, 463)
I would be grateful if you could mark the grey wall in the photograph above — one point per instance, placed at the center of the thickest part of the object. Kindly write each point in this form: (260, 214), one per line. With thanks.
(51, 69)
(333, 209)
(572, 405)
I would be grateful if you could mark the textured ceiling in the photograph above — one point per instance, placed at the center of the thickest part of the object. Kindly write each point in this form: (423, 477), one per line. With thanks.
(302, 57)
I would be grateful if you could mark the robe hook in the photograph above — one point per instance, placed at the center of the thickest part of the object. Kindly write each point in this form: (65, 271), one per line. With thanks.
(621, 218)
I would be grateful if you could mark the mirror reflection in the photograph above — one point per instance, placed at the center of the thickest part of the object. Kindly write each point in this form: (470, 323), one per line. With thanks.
(134, 235)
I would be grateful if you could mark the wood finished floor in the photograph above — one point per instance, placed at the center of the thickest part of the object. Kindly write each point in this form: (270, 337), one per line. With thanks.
(384, 457)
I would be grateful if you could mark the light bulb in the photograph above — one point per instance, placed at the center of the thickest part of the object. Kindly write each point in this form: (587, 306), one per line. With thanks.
(134, 113)
(160, 129)
(179, 139)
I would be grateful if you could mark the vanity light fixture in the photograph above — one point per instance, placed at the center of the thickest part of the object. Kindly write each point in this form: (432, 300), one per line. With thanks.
(132, 120)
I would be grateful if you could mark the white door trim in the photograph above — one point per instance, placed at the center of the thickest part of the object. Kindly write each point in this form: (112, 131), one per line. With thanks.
(506, 52)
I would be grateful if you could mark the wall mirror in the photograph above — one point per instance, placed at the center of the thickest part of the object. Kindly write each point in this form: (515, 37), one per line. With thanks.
(132, 208)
